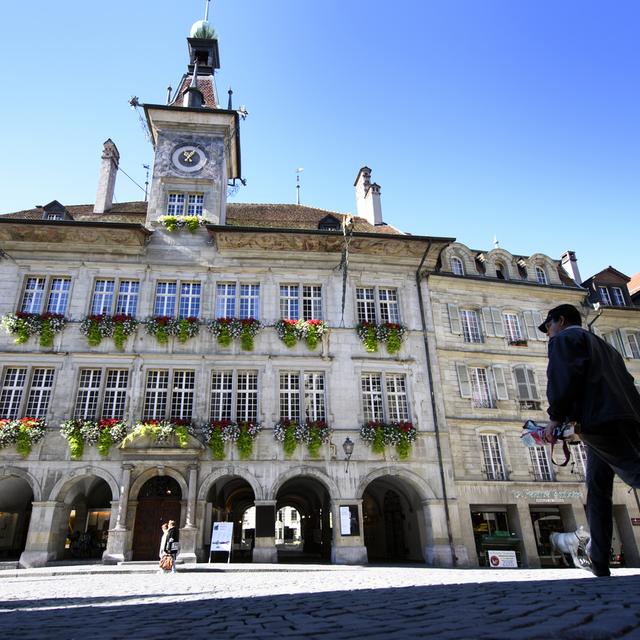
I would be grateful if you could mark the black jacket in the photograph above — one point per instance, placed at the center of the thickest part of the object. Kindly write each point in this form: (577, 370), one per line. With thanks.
(587, 382)
(172, 536)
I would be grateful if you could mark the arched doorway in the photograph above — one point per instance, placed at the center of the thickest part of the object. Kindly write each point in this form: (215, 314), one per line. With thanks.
(16, 498)
(231, 499)
(80, 527)
(306, 499)
(390, 509)
(158, 502)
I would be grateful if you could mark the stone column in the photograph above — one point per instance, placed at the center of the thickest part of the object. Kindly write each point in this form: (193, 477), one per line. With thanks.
(189, 532)
(118, 538)
(42, 539)
(437, 550)
(265, 542)
(520, 519)
(348, 548)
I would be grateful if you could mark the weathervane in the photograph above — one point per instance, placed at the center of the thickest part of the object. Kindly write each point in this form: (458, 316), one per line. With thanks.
(299, 170)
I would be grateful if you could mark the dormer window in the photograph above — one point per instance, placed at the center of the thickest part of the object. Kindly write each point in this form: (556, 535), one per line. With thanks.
(603, 293)
(329, 223)
(500, 271)
(618, 297)
(457, 267)
(541, 276)
(54, 216)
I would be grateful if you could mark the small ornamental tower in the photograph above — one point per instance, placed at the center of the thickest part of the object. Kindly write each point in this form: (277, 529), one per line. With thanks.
(197, 144)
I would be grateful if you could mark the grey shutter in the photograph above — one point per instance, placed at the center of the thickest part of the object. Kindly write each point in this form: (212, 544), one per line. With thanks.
(497, 322)
(454, 318)
(463, 381)
(501, 383)
(624, 341)
(533, 389)
(532, 332)
(537, 321)
(521, 383)
(489, 327)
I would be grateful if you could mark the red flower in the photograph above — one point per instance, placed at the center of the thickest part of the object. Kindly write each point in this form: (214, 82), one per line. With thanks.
(121, 317)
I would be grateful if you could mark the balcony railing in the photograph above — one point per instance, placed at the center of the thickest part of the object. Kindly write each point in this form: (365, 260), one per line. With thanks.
(529, 405)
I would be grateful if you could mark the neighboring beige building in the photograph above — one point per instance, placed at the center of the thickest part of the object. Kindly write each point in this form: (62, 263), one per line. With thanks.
(491, 374)
(468, 371)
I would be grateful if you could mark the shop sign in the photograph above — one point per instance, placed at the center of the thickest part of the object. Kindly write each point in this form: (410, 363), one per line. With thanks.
(550, 495)
(502, 559)
(635, 522)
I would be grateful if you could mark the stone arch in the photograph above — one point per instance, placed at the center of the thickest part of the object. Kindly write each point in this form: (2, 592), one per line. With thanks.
(506, 258)
(152, 473)
(27, 477)
(463, 253)
(548, 265)
(75, 474)
(310, 472)
(421, 486)
(231, 470)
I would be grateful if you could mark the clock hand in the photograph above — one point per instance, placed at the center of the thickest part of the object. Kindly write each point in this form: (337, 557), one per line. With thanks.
(188, 155)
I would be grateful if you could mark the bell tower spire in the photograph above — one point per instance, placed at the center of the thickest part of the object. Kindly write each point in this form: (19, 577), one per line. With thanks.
(197, 143)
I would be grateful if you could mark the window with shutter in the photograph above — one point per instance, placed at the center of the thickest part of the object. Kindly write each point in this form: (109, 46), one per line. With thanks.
(470, 325)
(528, 397)
(497, 322)
(624, 341)
(500, 382)
(463, 381)
(489, 325)
(454, 318)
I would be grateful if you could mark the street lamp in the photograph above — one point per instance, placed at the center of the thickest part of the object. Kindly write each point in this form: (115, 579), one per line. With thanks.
(347, 447)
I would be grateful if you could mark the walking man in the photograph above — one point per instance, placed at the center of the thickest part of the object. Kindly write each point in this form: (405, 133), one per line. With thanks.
(588, 383)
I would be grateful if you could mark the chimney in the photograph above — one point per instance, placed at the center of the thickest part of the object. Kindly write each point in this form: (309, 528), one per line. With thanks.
(368, 197)
(107, 181)
(570, 265)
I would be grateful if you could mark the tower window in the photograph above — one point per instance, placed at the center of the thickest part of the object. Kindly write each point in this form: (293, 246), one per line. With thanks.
(181, 204)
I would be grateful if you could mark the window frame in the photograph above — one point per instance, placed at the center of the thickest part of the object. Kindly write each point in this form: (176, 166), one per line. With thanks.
(234, 392)
(117, 295)
(378, 304)
(171, 208)
(237, 299)
(457, 266)
(493, 471)
(29, 389)
(385, 394)
(44, 303)
(298, 398)
(541, 275)
(169, 392)
(178, 296)
(302, 300)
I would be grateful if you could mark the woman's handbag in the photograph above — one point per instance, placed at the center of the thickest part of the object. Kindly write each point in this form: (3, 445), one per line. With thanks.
(166, 562)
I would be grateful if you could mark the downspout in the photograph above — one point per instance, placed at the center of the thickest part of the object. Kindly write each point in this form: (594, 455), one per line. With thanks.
(454, 558)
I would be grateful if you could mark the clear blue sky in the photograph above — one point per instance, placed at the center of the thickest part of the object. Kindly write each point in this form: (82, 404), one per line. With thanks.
(519, 118)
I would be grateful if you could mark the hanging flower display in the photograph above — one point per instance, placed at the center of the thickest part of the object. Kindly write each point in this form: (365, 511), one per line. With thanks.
(290, 433)
(390, 333)
(23, 433)
(318, 433)
(289, 331)
(243, 434)
(24, 325)
(368, 333)
(161, 431)
(249, 330)
(176, 223)
(312, 331)
(102, 434)
(185, 328)
(118, 327)
(225, 330)
(161, 327)
(398, 434)
(228, 329)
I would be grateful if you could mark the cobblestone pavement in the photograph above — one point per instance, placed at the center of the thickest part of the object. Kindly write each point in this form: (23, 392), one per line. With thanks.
(288, 601)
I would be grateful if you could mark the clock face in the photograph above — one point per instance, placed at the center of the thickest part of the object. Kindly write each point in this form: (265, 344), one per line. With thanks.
(189, 158)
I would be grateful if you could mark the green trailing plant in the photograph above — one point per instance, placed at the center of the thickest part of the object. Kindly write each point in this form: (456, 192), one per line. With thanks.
(23, 433)
(162, 432)
(399, 434)
(313, 331)
(24, 325)
(245, 444)
(187, 328)
(368, 333)
(216, 444)
(176, 223)
(289, 331)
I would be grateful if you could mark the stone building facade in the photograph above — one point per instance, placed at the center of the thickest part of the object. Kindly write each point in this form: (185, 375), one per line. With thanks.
(466, 373)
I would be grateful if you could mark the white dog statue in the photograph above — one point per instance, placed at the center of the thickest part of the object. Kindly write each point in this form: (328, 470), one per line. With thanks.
(568, 542)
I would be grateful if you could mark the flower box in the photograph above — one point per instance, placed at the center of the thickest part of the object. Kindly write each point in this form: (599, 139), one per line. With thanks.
(379, 435)
(102, 434)
(24, 325)
(291, 331)
(292, 433)
(118, 327)
(242, 434)
(22, 432)
(228, 329)
(391, 333)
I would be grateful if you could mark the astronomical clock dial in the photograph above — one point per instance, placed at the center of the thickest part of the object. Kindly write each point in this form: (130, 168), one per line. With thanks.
(189, 158)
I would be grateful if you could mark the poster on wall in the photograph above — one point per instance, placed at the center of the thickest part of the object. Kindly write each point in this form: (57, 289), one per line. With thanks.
(502, 559)
(221, 537)
(349, 525)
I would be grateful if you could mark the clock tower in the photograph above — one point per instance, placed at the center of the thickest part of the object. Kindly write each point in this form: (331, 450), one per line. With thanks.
(196, 143)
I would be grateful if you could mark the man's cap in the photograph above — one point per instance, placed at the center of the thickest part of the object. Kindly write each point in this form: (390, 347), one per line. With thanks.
(568, 311)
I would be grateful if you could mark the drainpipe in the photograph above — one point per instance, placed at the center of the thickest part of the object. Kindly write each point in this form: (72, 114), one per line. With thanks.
(454, 558)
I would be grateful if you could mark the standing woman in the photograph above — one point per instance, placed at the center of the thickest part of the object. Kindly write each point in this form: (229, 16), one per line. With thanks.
(171, 545)
(163, 541)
